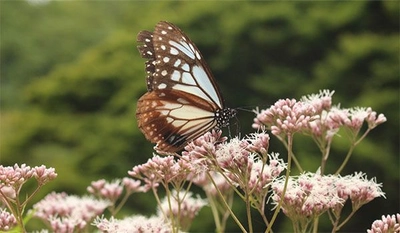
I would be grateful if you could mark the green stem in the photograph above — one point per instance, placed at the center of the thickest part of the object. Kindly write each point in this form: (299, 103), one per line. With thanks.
(289, 164)
(325, 156)
(353, 145)
(159, 202)
(214, 211)
(248, 210)
(226, 204)
(121, 203)
(297, 163)
(346, 159)
(315, 226)
(345, 221)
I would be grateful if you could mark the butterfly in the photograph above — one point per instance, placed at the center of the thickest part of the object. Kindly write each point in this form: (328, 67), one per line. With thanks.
(182, 101)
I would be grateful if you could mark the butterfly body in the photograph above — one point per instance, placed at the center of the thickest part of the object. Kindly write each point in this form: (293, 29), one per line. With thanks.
(183, 101)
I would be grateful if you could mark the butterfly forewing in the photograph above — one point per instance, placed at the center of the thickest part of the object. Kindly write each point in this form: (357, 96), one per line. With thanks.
(179, 65)
(183, 101)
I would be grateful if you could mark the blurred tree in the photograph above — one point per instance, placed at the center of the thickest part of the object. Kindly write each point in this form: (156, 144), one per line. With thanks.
(74, 68)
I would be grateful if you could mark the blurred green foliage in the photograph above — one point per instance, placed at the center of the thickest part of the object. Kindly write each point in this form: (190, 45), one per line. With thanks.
(71, 76)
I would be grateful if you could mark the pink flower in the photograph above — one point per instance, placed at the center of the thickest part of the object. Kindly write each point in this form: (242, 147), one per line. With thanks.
(307, 196)
(43, 174)
(7, 220)
(106, 190)
(240, 161)
(201, 152)
(328, 123)
(7, 193)
(162, 170)
(310, 195)
(388, 224)
(233, 156)
(258, 143)
(285, 117)
(133, 224)
(67, 224)
(321, 101)
(67, 212)
(183, 207)
(133, 186)
(262, 175)
(360, 115)
(15, 176)
(359, 189)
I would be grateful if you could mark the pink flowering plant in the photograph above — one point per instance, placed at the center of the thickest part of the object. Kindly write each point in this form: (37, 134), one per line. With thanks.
(224, 169)
(12, 179)
(306, 197)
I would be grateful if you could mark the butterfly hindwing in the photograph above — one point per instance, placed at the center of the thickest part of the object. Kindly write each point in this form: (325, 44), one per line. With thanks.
(171, 118)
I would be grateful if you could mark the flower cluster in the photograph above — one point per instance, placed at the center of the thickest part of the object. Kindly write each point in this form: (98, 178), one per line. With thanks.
(285, 117)
(113, 190)
(67, 213)
(164, 170)
(321, 101)
(240, 165)
(15, 176)
(7, 220)
(358, 189)
(12, 178)
(315, 114)
(201, 152)
(309, 195)
(242, 161)
(133, 224)
(183, 207)
(106, 190)
(388, 224)
(169, 172)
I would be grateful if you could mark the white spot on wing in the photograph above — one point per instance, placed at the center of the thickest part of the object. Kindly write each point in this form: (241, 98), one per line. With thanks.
(174, 51)
(198, 55)
(187, 78)
(182, 101)
(185, 67)
(171, 106)
(176, 76)
(162, 86)
(177, 62)
(184, 47)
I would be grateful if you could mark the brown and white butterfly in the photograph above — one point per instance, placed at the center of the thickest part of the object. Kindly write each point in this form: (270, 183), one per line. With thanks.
(183, 100)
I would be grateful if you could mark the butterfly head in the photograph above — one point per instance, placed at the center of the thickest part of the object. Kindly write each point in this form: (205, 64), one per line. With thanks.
(223, 116)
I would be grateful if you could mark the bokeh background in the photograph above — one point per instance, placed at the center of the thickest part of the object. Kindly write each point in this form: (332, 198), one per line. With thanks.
(71, 76)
